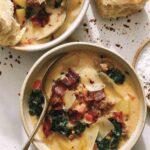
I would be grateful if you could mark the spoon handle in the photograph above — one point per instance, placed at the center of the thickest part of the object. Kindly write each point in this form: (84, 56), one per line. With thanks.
(37, 126)
(46, 102)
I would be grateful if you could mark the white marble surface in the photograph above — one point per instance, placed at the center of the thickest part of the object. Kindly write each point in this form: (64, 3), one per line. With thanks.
(123, 36)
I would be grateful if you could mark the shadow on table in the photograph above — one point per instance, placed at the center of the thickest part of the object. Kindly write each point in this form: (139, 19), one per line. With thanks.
(140, 145)
(33, 148)
(148, 117)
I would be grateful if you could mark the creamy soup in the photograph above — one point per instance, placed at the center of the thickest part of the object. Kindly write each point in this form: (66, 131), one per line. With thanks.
(39, 24)
(93, 103)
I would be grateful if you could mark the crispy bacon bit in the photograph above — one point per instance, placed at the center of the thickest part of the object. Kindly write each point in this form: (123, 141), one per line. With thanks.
(56, 101)
(37, 85)
(92, 115)
(91, 81)
(81, 108)
(95, 147)
(46, 127)
(96, 95)
(71, 80)
(88, 117)
(118, 116)
(75, 116)
(32, 2)
(71, 137)
(57, 104)
(59, 89)
(105, 106)
(41, 19)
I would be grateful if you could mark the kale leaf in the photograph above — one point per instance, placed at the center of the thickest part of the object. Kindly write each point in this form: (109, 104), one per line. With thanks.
(103, 144)
(116, 75)
(116, 134)
(80, 128)
(58, 3)
(29, 12)
(111, 143)
(59, 122)
(35, 103)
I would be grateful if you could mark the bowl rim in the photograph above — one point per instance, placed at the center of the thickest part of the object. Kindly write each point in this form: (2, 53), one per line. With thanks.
(56, 49)
(61, 38)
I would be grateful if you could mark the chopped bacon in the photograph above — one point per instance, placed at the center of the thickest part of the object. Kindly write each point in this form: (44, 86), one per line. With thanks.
(92, 115)
(59, 89)
(56, 102)
(37, 85)
(32, 2)
(95, 147)
(88, 117)
(95, 95)
(41, 19)
(118, 116)
(71, 80)
(75, 116)
(46, 127)
(81, 108)
(91, 81)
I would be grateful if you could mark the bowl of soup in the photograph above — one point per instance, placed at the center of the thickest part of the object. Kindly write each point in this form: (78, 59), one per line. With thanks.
(34, 25)
(96, 101)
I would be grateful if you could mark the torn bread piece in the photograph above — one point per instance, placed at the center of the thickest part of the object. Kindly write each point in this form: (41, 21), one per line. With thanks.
(10, 31)
(119, 8)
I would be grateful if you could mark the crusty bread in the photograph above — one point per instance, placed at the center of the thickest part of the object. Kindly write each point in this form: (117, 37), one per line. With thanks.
(119, 8)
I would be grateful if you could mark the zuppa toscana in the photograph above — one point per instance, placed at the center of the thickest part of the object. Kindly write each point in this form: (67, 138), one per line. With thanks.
(29, 22)
(93, 104)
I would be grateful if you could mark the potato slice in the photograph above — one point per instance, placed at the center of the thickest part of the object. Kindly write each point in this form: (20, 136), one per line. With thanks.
(20, 13)
(105, 127)
(21, 3)
(123, 106)
(111, 86)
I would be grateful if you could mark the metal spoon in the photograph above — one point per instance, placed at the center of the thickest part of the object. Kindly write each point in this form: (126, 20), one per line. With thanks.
(46, 101)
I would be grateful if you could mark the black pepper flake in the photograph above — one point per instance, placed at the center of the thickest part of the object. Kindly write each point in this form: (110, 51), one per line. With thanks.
(10, 56)
(11, 65)
(84, 24)
(91, 81)
(18, 61)
(126, 72)
(109, 28)
(117, 45)
(125, 25)
(128, 20)
(93, 21)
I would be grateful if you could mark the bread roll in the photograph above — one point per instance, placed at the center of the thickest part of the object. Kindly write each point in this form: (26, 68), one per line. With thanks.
(119, 8)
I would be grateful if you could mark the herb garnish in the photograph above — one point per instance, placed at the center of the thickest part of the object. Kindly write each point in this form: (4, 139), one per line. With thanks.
(111, 143)
(58, 3)
(35, 102)
(116, 75)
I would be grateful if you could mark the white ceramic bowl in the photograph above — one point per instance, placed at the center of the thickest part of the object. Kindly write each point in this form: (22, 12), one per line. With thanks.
(65, 35)
(26, 88)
